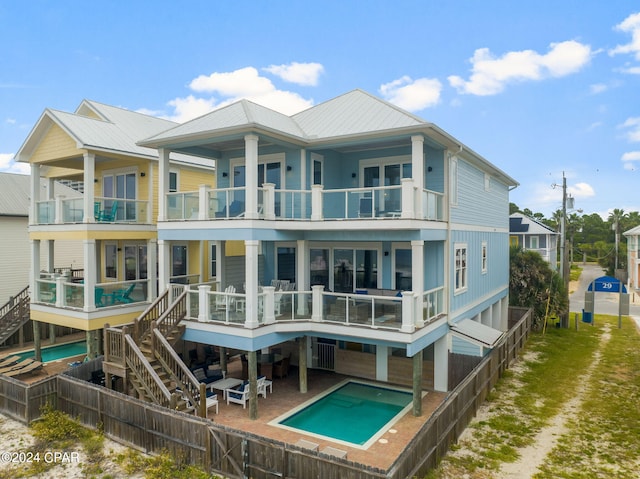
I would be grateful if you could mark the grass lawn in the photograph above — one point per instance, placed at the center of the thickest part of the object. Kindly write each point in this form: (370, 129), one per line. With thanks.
(567, 409)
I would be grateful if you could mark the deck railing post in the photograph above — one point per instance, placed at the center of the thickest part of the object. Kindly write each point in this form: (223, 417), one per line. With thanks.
(316, 302)
(408, 201)
(203, 302)
(316, 203)
(269, 304)
(408, 320)
(269, 201)
(203, 202)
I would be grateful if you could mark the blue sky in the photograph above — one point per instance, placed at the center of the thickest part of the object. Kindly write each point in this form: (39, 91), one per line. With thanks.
(537, 88)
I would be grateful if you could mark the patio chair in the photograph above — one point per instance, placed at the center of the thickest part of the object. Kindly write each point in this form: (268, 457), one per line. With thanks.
(29, 368)
(109, 215)
(223, 300)
(211, 402)
(281, 368)
(263, 384)
(365, 208)
(239, 394)
(122, 295)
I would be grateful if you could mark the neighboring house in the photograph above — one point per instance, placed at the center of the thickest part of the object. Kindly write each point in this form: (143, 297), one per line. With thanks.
(530, 234)
(633, 258)
(15, 254)
(353, 235)
(112, 224)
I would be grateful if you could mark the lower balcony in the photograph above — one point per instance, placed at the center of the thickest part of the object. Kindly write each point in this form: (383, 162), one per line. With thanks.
(372, 309)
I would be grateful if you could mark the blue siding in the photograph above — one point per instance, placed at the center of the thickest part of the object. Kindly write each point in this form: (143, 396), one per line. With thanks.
(476, 205)
(480, 285)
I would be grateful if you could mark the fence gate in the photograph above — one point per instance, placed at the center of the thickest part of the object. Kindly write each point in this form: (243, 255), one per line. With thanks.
(323, 355)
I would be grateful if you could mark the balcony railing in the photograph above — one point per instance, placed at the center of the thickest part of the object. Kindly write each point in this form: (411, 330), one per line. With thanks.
(60, 292)
(109, 210)
(398, 201)
(371, 311)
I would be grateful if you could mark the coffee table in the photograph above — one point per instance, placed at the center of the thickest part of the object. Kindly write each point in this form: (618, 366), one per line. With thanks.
(224, 384)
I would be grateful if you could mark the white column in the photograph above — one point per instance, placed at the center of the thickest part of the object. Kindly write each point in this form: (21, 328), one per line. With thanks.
(163, 183)
(152, 271)
(417, 278)
(203, 302)
(316, 203)
(35, 269)
(35, 194)
(251, 287)
(89, 187)
(148, 215)
(164, 265)
(90, 274)
(251, 171)
(417, 168)
(303, 275)
(51, 253)
(382, 363)
(441, 364)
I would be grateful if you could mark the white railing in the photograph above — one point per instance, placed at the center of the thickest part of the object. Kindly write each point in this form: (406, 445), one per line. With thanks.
(183, 205)
(373, 311)
(432, 205)
(126, 210)
(292, 204)
(362, 203)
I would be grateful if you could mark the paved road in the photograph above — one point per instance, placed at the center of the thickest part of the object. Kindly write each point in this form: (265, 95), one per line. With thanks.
(605, 303)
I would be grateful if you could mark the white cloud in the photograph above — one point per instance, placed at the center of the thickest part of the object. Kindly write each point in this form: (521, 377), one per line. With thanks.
(300, 73)
(8, 165)
(412, 95)
(490, 74)
(632, 125)
(598, 88)
(10, 121)
(228, 87)
(629, 160)
(631, 25)
(581, 190)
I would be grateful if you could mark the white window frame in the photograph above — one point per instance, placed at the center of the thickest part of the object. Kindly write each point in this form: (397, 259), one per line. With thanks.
(460, 280)
(484, 258)
(534, 242)
(117, 265)
(315, 158)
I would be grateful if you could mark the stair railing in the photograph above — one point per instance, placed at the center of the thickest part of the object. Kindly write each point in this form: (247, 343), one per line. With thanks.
(171, 317)
(142, 324)
(149, 379)
(16, 311)
(193, 390)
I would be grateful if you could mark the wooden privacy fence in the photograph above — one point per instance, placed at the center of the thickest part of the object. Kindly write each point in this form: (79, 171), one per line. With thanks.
(235, 454)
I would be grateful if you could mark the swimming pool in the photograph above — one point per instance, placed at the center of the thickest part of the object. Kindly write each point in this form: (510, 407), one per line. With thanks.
(352, 413)
(59, 351)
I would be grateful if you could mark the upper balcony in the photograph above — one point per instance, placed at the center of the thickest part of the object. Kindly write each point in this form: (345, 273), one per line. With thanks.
(403, 201)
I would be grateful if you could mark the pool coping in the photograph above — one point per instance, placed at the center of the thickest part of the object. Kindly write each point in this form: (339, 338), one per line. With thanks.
(372, 440)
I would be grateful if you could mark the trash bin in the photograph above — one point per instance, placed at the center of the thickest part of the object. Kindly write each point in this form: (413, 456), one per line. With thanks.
(587, 316)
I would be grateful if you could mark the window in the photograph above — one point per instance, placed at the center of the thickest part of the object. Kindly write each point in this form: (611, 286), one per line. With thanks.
(319, 261)
(135, 262)
(214, 260)
(534, 243)
(111, 261)
(179, 264)
(286, 264)
(484, 256)
(403, 270)
(460, 267)
(121, 186)
(318, 173)
(173, 182)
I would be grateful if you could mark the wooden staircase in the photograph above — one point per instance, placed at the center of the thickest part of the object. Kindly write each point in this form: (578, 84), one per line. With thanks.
(14, 314)
(143, 354)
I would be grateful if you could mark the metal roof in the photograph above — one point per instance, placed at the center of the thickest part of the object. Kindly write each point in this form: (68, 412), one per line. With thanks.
(15, 193)
(521, 223)
(477, 332)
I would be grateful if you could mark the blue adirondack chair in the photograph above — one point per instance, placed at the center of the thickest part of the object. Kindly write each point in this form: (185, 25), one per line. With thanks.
(122, 295)
(109, 215)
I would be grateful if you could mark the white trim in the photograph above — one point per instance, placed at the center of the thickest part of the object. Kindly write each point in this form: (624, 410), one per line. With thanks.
(320, 159)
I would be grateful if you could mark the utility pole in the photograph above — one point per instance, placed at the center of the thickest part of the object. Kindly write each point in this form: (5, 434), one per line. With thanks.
(564, 269)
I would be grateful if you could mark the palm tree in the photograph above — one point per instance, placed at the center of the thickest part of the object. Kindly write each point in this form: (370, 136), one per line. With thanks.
(615, 218)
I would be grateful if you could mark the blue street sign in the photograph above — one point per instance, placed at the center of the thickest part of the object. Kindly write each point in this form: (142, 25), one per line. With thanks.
(607, 284)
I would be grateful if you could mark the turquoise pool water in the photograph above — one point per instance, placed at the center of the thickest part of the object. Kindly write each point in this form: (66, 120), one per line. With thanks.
(60, 351)
(354, 413)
